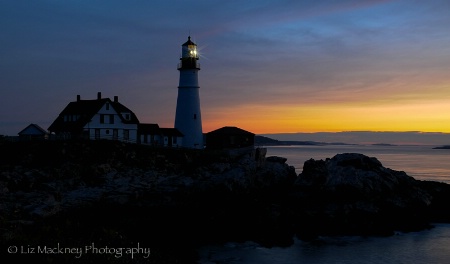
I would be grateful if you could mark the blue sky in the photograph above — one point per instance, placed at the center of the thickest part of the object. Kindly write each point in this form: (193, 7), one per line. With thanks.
(267, 66)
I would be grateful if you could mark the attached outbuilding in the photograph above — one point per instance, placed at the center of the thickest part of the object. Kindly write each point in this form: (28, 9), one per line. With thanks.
(171, 137)
(149, 134)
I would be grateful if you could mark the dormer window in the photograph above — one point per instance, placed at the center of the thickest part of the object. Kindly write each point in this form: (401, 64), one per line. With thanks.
(126, 116)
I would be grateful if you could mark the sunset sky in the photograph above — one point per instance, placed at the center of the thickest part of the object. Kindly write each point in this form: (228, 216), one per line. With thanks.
(267, 66)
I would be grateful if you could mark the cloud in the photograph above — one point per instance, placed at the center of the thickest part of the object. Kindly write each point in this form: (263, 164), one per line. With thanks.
(254, 53)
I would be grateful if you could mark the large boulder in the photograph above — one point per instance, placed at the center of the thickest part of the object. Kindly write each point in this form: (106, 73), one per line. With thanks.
(354, 194)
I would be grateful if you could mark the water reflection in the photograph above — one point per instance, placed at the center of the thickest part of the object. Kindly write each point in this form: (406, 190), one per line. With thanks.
(430, 246)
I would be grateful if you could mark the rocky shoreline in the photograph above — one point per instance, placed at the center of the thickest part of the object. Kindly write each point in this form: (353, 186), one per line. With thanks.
(174, 200)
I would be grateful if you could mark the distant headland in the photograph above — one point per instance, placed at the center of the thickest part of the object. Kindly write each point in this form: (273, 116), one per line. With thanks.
(443, 147)
(266, 141)
(367, 137)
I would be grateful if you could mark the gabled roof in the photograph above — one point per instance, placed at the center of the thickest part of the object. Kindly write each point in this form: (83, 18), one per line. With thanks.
(85, 111)
(33, 129)
(230, 130)
(171, 132)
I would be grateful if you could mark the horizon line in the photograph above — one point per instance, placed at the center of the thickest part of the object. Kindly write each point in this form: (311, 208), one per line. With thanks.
(357, 131)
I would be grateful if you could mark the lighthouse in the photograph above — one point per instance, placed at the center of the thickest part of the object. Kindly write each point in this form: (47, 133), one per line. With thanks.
(188, 117)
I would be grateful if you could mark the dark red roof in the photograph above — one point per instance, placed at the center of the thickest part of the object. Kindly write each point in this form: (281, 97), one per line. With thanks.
(230, 130)
(85, 110)
(151, 129)
(120, 108)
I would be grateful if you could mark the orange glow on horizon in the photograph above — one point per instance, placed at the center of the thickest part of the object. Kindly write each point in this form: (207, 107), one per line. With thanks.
(428, 116)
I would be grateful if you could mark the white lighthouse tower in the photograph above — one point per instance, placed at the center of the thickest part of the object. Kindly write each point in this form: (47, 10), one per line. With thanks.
(188, 118)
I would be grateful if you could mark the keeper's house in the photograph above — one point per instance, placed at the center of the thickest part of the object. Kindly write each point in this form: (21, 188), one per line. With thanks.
(96, 119)
(102, 118)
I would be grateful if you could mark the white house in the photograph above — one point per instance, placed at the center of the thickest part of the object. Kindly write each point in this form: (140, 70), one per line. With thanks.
(96, 119)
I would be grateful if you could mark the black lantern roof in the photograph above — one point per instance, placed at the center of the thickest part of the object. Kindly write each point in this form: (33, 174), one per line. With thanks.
(189, 42)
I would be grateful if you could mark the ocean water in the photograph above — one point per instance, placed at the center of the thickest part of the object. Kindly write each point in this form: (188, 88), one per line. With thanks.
(424, 247)
(420, 162)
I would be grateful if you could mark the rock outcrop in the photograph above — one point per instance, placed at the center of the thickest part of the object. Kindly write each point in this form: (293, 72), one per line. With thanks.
(112, 191)
(41, 188)
(354, 194)
(78, 192)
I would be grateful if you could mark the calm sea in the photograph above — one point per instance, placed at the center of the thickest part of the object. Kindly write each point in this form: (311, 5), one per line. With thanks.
(430, 246)
(420, 162)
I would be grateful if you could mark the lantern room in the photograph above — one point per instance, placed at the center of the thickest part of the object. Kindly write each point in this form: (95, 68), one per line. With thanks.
(189, 56)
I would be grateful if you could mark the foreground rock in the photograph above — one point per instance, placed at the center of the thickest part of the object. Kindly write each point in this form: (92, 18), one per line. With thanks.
(352, 194)
(175, 199)
(76, 193)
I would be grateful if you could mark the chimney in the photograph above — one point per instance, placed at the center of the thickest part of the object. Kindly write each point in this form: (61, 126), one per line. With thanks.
(78, 97)
(99, 95)
(116, 99)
